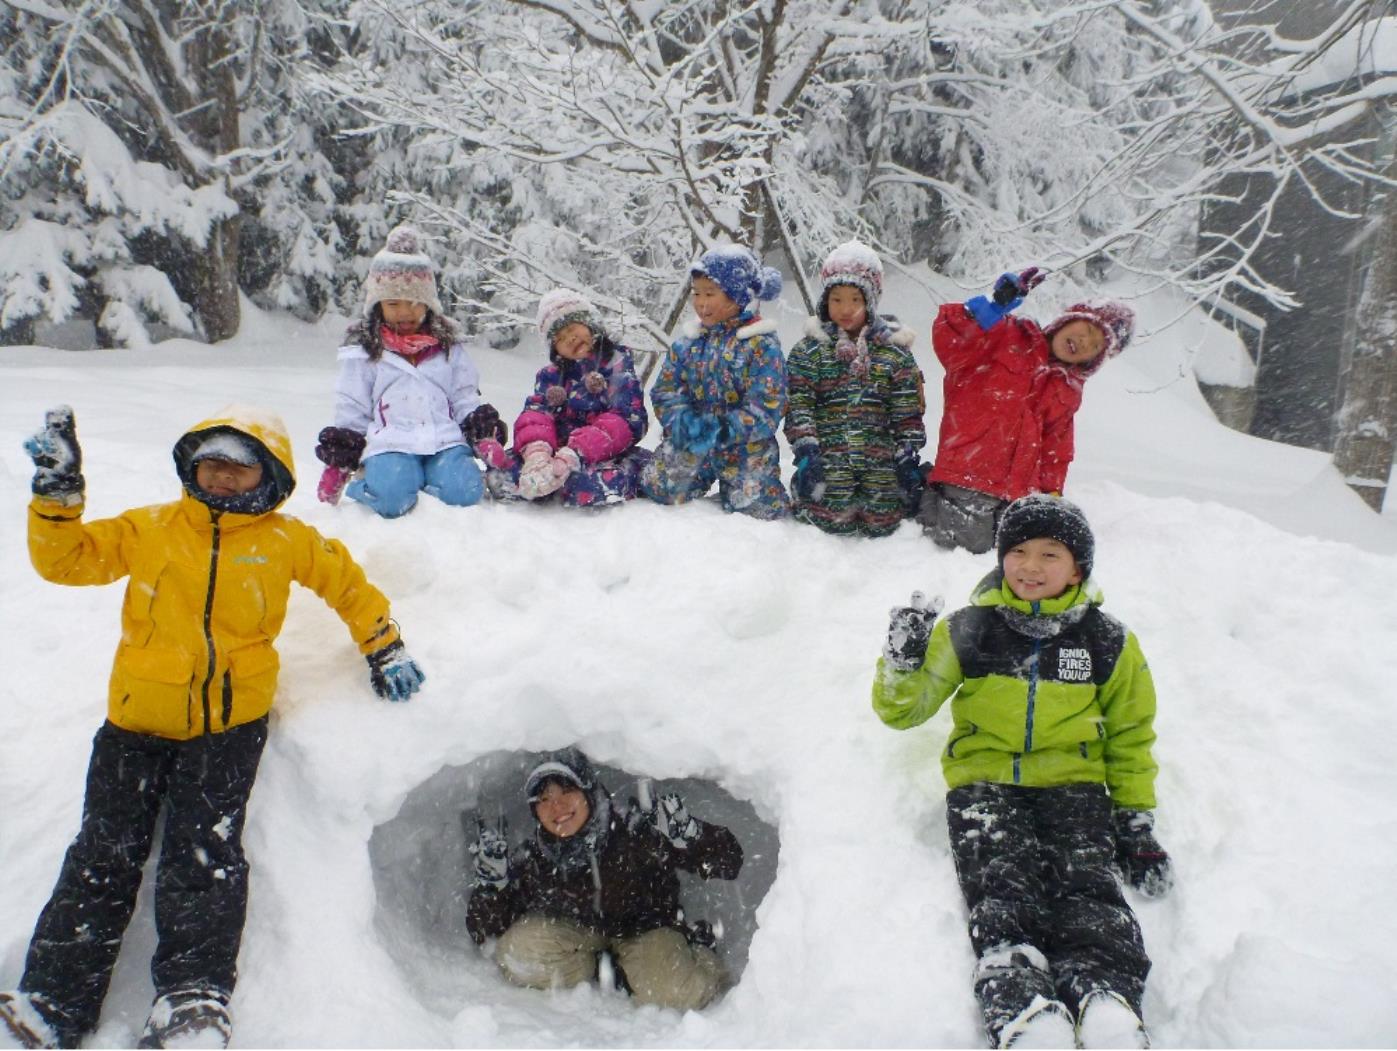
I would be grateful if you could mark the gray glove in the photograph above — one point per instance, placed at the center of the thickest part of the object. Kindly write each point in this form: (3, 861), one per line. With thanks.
(672, 820)
(909, 631)
(1143, 862)
(490, 854)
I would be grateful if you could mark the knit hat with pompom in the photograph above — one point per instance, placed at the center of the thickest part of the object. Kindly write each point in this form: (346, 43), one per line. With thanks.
(739, 273)
(852, 263)
(560, 308)
(402, 271)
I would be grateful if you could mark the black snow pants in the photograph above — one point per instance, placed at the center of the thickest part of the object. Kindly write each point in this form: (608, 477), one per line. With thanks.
(201, 878)
(1047, 914)
(954, 516)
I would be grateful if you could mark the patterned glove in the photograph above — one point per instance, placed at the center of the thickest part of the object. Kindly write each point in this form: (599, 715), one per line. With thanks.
(339, 447)
(672, 821)
(57, 458)
(809, 479)
(490, 856)
(538, 478)
(909, 631)
(484, 422)
(1142, 861)
(395, 676)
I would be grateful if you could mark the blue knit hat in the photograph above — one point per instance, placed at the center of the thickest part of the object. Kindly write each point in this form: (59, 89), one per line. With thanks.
(739, 273)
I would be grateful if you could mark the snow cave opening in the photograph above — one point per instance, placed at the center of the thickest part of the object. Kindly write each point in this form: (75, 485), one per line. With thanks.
(421, 869)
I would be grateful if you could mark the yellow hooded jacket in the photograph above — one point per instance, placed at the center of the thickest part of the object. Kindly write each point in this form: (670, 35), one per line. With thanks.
(207, 591)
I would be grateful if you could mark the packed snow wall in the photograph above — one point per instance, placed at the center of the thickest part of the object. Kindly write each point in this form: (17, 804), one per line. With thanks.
(421, 867)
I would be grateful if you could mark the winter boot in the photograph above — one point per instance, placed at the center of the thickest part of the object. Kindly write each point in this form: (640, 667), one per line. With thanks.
(1106, 1020)
(24, 1024)
(1042, 1024)
(1009, 981)
(192, 1018)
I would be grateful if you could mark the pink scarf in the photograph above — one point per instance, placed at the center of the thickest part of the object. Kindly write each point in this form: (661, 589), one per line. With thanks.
(415, 348)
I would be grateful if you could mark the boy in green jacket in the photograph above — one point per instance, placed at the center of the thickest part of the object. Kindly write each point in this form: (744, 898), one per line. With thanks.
(1051, 780)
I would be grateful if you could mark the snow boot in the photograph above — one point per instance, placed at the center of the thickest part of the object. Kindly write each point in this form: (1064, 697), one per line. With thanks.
(1106, 1020)
(192, 1018)
(1042, 1024)
(1013, 984)
(24, 1024)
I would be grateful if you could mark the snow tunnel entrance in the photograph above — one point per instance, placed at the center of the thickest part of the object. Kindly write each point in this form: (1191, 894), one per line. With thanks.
(421, 869)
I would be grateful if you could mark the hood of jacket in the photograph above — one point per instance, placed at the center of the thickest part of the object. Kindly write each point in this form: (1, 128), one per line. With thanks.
(273, 444)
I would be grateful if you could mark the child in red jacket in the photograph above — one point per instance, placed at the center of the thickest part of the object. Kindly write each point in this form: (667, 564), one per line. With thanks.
(1011, 391)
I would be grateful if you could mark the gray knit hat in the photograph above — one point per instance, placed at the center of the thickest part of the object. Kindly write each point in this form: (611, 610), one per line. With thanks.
(1040, 515)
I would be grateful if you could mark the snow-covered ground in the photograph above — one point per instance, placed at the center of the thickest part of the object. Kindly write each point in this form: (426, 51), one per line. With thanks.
(734, 657)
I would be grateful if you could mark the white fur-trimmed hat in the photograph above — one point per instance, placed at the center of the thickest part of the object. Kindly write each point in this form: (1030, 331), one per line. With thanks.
(562, 306)
(402, 271)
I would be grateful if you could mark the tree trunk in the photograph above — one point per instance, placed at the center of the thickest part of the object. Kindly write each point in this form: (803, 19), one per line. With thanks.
(1367, 418)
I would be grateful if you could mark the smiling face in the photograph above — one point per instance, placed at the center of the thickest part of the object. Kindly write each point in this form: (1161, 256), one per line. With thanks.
(711, 303)
(226, 478)
(574, 341)
(562, 809)
(403, 316)
(1040, 568)
(1078, 342)
(847, 308)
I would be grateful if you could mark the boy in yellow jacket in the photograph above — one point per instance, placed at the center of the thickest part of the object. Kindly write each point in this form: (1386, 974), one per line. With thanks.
(193, 679)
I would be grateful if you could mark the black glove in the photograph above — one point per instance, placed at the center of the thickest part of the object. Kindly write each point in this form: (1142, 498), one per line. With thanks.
(394, 675)
(809, 480)
(1010, 289)
(57, 457)
(490, 854)
(1143, 862)
(340, 447)
(909, 631)
(484, 422)
(911, 478)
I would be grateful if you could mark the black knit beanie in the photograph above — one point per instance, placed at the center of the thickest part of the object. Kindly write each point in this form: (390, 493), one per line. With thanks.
(1039, 515)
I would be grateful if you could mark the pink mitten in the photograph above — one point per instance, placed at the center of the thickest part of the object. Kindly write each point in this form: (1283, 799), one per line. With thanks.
(492, 452)
(565, 461)
(537, 478)
(332, 483)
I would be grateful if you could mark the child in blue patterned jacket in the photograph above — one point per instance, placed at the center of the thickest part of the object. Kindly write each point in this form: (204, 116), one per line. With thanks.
(721, 393)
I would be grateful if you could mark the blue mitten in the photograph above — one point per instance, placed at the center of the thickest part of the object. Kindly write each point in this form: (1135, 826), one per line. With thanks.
(1008, 295)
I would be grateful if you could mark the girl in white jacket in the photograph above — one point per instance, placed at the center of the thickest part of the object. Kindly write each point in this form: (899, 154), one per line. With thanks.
(407, 402)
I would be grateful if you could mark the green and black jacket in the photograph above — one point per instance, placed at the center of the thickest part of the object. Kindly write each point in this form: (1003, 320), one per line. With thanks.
(1047, 693)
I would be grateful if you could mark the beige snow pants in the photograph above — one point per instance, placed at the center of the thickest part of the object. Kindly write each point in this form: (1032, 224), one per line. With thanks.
(661, 967)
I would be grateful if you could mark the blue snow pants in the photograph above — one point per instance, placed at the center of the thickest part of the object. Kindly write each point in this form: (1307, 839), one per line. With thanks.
(392, 481)
(748, 476)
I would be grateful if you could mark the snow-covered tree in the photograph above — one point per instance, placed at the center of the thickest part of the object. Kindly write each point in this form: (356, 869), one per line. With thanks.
(140, 142)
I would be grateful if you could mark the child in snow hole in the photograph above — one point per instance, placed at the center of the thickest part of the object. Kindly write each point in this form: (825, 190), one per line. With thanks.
(407, 402)
(194, 677)
(721, 393)
(595, 879)
(1011, 392)
(854, 418)
(1051, 775)
(579, 427)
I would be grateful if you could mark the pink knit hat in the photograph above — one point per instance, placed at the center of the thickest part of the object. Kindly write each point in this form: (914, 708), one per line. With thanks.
(402, 271)
(1113, 318)
(562, 306)
(855, 264)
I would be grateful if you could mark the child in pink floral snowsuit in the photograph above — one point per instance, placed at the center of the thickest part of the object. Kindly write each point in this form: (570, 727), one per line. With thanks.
(577, 434)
